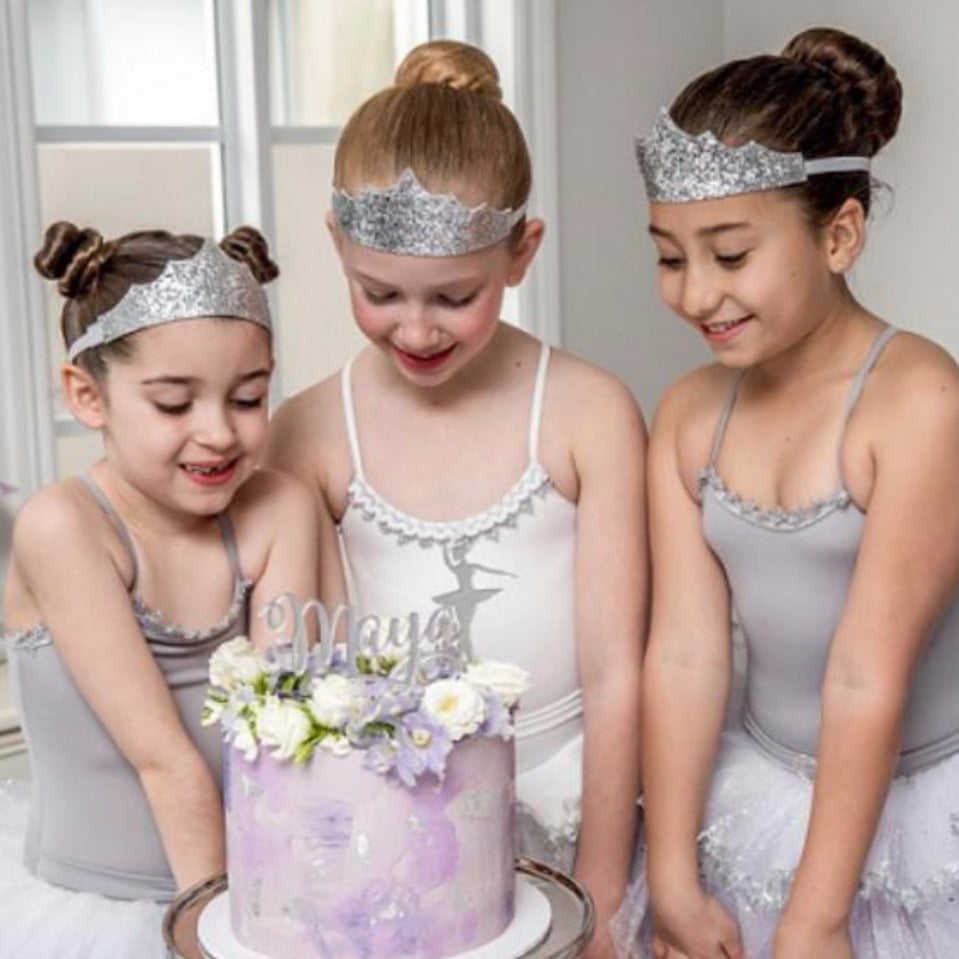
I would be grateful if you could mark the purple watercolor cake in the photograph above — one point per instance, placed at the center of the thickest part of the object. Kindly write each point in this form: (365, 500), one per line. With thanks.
(369, 789)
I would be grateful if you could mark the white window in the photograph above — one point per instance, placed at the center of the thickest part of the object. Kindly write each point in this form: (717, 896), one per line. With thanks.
(199, 115)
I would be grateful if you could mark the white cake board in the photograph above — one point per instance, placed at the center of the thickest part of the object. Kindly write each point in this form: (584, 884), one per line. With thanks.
(530, 926)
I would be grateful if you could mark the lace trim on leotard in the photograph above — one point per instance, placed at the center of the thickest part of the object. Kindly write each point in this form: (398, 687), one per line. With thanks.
(776, 518)
(504, 513)
(720, 864)
(28, 640)
(153, 625)
(150, 621)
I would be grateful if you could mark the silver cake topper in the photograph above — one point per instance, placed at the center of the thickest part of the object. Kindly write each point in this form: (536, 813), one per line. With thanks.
(366, 638)
(209, 283)
(679, 168)
(407, 219)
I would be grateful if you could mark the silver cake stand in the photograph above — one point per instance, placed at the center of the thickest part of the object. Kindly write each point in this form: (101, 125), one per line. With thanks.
(570, 929)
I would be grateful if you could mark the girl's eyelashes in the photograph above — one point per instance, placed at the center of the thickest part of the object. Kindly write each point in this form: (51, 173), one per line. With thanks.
(239, 402)
(248, 402)
(669, 262)
(376, 297)
(732, 260)
(172, 409)
(456, 301)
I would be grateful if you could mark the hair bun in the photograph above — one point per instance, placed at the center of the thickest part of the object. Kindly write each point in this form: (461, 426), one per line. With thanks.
(861, 73)
(248, 245)
(450, 63)
(73, 257)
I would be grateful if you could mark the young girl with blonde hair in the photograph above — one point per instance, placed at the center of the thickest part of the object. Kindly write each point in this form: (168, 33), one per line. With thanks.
(469, 466)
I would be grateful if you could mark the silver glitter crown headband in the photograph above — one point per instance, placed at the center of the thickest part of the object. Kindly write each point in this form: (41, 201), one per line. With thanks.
(209, 283)
(407, 219)
(678, 167)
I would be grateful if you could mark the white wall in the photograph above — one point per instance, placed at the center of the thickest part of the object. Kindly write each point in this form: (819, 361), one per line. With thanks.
(907, 274)
(621, 59)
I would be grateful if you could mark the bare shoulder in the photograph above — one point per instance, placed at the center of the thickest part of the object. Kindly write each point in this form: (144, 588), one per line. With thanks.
(687, 417)
(915, 383)
(307, 432)
(57, 517)
(270, 490)
(585, 395)
(303, 414)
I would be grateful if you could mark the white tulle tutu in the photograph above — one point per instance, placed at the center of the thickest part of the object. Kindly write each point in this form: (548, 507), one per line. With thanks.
(41, 921)
(754, 827)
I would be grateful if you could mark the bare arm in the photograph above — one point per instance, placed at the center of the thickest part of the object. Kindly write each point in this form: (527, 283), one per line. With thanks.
(686, 683)
(83, 600)
(612, 579)
(284, 509)
(906, 572)
(294, 448)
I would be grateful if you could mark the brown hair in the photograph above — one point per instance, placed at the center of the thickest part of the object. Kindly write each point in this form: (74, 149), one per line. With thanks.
(445, 120)
(827, 94)
(94, 274)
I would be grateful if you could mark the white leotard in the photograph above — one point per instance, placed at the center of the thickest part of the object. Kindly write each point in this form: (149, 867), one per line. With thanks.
(508, 572)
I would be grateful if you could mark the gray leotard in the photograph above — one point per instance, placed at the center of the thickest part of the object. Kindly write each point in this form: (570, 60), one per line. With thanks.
(789, 573)
(90, 824)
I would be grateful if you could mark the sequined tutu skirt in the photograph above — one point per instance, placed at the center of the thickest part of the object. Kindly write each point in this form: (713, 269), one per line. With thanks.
(752, 837)
(548, 806)
(42, 921)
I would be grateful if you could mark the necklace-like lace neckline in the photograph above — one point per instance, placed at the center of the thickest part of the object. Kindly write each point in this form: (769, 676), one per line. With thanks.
(504, 512)
(775, 517)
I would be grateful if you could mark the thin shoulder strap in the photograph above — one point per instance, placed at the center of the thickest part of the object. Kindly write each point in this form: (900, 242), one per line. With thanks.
(113, 516)
(229, 542)
(350, 418)
(855, 391)
(536, 409)
(724, 419)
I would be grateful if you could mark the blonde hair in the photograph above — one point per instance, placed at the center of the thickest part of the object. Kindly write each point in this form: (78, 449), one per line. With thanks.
(444, 119)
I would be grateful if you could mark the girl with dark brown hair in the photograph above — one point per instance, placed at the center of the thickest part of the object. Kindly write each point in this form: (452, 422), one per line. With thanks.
(122, 582)
(806, 481)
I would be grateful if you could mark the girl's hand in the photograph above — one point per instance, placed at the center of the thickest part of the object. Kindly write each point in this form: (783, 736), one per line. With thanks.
(600, 946)
(696, 926)
(662, 950)
(798, 940)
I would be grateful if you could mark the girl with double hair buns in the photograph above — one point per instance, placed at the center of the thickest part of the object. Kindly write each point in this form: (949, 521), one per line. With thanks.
(806, 480)
(123, 581)
(469, 467)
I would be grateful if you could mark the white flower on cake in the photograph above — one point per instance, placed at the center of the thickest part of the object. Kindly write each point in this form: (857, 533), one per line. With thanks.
(330, 700)
(506, 679)
(456, 705)
(244, 738)
(336, 744)
(397, 691)
(282, 724)
(234, 664)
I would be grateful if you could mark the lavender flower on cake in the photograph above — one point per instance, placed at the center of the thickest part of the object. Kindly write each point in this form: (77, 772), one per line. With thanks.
(402, 695)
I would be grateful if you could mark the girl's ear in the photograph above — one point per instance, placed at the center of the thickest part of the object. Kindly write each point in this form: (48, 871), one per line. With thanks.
(845, 235)
(524, 250)
(85, 397)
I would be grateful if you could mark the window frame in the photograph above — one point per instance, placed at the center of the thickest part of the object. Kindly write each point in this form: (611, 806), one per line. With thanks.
(245, 137)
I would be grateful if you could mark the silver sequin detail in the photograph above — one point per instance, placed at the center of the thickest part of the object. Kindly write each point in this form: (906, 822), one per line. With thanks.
(209, 283)
(775, 518)
(679, 168)
(722, 871)
(505, 513)
(406, 218)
